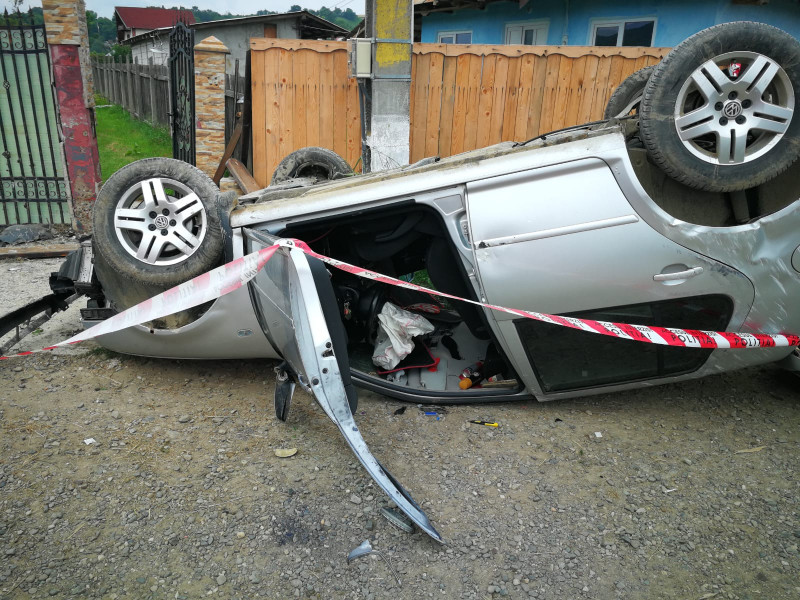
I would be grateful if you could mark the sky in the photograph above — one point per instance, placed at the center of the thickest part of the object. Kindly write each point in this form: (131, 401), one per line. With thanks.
(105, 8)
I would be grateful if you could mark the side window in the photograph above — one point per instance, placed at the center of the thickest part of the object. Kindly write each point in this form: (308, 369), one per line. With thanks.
(566, 359)
(455, 37)
(633, 32)
(528, 33)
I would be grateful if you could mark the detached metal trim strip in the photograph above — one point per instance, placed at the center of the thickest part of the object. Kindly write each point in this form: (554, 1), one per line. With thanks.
(557, 231)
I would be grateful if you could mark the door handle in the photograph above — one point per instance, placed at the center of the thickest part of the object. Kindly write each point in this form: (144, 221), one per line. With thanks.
(693, 272)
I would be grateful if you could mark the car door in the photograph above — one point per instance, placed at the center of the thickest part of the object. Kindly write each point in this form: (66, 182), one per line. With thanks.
(297, 310)
(564, 240)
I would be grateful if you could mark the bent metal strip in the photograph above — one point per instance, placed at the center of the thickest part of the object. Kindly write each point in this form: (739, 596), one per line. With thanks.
(235, 274)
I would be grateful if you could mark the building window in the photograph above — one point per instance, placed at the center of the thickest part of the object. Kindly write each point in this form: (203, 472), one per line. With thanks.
(622, 32)
(455, 37)
(528, 33)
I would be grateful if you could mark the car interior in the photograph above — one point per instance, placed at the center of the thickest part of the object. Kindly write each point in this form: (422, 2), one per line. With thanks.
(408, 242)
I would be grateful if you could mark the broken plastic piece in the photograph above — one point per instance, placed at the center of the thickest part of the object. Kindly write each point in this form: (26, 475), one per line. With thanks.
(366, 548)
(397, 519)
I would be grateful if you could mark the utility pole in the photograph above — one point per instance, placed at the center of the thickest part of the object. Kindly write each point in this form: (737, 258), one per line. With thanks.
(387, 92)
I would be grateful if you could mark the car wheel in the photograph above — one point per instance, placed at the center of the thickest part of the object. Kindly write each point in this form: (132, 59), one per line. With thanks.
(718, 113)
(156, 224)
(626, 98)
(319, 164)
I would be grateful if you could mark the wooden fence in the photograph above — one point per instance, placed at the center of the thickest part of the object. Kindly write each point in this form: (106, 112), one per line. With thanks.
(143, 90)
(462, 96)
(467, 97)
(302, 96)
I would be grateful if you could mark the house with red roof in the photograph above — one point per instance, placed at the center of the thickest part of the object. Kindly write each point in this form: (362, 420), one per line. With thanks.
(133, 20)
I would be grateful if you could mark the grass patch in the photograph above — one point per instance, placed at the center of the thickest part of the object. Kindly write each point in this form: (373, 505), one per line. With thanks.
(122, 139)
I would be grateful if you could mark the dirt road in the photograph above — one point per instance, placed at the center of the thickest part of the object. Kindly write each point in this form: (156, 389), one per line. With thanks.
(691, 492)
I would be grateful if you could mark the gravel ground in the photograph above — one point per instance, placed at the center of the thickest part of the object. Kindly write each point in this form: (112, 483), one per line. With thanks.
(691, 492)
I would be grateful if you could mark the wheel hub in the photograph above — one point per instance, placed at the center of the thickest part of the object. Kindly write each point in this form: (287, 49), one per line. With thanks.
(161, 222)
(732, 109)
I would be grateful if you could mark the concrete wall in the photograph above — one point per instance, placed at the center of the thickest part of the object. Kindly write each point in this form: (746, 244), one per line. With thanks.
(237, 37)
(141, 51)
(672, 24)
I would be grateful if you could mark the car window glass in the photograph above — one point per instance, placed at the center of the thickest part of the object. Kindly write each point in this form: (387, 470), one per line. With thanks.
(566, 359)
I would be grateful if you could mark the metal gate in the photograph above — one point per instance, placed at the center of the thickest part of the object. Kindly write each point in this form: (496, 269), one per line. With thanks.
(33, 188)
(181, 73)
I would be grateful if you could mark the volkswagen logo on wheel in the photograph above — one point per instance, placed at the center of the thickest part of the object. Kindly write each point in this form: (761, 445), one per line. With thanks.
(161, 222)
(732, 109)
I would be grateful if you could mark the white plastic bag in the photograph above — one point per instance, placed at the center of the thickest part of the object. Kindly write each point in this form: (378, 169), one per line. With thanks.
(396, 329)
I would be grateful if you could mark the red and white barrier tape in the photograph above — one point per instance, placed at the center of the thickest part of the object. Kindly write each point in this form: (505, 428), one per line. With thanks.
(666, 336)
(204, 288)
(229, 277)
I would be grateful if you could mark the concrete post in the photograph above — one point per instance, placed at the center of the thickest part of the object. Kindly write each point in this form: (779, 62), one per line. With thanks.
(388, 123)
(209, 102)
(68, 38)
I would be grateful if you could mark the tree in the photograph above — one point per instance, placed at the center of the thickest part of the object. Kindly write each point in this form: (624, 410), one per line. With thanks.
(120, 52)
(295, 8)
(102, 32)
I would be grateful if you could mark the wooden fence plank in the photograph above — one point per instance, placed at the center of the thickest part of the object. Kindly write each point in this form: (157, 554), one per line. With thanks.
(434, 107)
(339, 106)
(259, 118)
(601, 81)
(460, 104)
(152, 89)
(574, 92)
(300, 97)
(498, 92)
(273, 117)
(473, 92)
(526, 94)
(550, 97)
(448, 106)
(326, 110)
(286, 102)
(532, 124)
(589, 81)
(419, 87)
(512, 97)
(484, 101)
(312, 104)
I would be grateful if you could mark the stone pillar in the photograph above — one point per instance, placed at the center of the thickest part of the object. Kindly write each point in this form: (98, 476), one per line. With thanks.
(209, 103)
(68, 39)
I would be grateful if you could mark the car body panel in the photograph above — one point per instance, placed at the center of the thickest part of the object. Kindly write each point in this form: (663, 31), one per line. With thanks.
(227, 330)
(290, 313)
(574, 249)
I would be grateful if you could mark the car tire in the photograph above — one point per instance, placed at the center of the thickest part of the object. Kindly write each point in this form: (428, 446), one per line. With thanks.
(725, 130)
(156, 225)
(319, 164)
(628, 95)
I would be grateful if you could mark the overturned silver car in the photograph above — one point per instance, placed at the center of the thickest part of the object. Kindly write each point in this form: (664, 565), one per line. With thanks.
(681, 211)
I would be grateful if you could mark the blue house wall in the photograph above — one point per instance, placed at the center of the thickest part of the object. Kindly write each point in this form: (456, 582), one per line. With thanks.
(570, 20)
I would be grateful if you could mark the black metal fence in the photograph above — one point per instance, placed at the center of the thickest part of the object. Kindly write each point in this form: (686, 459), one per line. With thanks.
(181, 75)
(33, 188)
